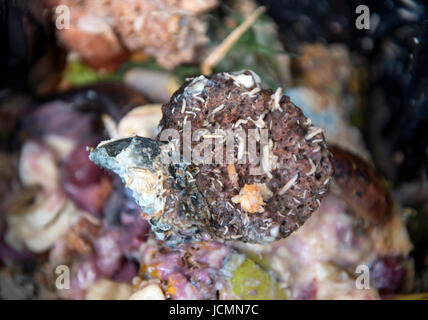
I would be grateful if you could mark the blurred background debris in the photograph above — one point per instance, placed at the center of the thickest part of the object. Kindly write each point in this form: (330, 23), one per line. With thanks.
(62, 90)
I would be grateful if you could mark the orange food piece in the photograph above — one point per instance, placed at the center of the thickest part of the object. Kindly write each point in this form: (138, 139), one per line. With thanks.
(233, 176)
(172, 287)
(250, 198)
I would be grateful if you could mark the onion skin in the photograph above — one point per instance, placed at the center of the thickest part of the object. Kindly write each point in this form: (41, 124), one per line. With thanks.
(361, 187)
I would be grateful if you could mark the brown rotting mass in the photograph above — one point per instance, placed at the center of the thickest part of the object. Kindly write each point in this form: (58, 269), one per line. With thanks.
(295, 179)
(361, 187)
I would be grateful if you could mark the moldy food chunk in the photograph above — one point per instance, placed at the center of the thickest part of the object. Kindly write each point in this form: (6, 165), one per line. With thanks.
(257, 202)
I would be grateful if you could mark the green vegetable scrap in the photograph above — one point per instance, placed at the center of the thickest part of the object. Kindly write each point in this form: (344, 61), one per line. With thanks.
(249, 281)
(80, 74)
